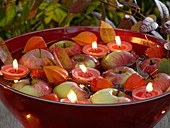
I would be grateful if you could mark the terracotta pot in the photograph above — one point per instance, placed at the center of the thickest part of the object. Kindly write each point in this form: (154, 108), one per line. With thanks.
(34, 112)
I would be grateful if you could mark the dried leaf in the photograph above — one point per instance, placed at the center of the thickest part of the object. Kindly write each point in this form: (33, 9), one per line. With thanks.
(98, 16)
(85, 38)
(51, 62)
(166, 28)
(107, 32)
(148, 25)
(164, 66)
(136, 27)
(134, 81)
(167, 46)
(99, 83)
(56, 74)
(155, 51)
(126, 23)
(5, 54)
(163, 10)
(35, 42)
(63, 57)
(79, 6)
(130, 4)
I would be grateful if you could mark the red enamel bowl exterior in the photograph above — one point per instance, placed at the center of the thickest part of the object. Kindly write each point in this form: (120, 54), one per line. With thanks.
(33, 112)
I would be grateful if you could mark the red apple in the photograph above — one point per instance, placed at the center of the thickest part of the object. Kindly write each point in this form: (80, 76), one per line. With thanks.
(161, 80)
(118, 58)
(63, 89)
(109, 96)
(118, 75)
(88, 61)
(70, 47)
(149, 65)
(35, 59)
(35, 87)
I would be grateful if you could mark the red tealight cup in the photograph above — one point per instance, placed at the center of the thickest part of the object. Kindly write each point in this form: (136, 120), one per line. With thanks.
(141, 93)
(119, 45)
(11, 73)
(98, 50)
(88, 75)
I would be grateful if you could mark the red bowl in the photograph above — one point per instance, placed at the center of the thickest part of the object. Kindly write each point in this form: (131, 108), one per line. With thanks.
(34, 112)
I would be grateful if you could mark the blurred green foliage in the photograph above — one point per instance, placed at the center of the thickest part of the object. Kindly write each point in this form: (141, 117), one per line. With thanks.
(21, 16)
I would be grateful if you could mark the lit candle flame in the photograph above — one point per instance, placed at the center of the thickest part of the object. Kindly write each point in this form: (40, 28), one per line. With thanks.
(118, 41)
(82, 86)
(94, 45)
(83, 68)
(28, 116)
(16, 81)
(15, 64)
(149, 87)
(72, 96)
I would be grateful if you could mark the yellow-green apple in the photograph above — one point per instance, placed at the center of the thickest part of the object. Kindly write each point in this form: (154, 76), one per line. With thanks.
(118, 58)
(109, 96)
(35, 87)
(161, 80)
(70, 47)
(88, 61)
(118, 75)
(149, 65)
(35, 59)
(63, 89)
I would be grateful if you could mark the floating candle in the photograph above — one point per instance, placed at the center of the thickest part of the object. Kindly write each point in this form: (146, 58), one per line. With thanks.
(14, 72)
(85, 73)
(146, 92)
(119, 45)
(96, 50)
(72, 98)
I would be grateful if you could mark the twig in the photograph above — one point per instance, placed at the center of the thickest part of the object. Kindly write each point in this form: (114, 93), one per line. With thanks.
(123, 10)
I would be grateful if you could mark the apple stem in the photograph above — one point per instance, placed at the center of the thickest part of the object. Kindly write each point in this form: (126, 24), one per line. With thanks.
(118, 90)
(40, 52)
(30, 79)
(151, 62)
(64, 45)
(120, 72)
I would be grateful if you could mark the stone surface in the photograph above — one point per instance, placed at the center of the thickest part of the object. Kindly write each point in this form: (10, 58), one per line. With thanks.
(8, 121)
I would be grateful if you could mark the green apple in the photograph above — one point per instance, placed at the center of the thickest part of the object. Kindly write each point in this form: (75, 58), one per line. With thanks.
(63, 89)
(109, 96)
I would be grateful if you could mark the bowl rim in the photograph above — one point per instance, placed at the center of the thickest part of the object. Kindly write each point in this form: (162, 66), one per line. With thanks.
(86, 105)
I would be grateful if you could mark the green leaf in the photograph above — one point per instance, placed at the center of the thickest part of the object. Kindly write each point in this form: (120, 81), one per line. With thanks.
(59, 15)
(10, 14)
(114, 3)
(164, 66)
(43, 6)
(36, 4)
(48, 19)
(2, 18)
(92, 6)
(25, 13)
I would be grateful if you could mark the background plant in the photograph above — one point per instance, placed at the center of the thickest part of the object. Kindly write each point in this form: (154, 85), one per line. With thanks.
(21, 16)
